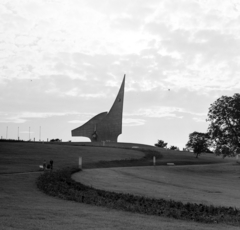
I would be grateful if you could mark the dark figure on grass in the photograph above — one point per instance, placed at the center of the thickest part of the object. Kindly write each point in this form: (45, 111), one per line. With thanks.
(44, 165)
(51, 164)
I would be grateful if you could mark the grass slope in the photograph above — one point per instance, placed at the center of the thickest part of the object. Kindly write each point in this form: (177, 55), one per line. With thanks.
(216, 184)
(61, 185)
(22, 157)
(23, 206)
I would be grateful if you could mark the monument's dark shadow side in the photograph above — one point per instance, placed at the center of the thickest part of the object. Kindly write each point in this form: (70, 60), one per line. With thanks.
(105, 126)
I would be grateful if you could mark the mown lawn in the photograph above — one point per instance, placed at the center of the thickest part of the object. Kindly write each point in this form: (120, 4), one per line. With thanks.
(23, 206)
(216, 184)
(25, 157)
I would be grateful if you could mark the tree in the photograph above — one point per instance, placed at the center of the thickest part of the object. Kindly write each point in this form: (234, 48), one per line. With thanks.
(198, 142)
(161, 144)
(174, 148)
(224, 128)
(53, 140)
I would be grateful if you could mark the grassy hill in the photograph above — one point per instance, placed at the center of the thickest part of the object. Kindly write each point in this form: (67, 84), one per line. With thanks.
(25, 156)
(23, 206)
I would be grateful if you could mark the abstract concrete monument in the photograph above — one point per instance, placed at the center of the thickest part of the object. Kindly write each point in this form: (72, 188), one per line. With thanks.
(105, 126)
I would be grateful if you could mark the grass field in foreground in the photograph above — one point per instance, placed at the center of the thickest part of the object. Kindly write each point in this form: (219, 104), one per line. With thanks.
(23, 206)
(216, 184)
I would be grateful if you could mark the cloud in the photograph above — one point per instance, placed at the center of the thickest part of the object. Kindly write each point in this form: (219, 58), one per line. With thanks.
(69, 58)
(41, 115)
(162, 51)
(164, 111)
(133, 122)
(11, 119)
(201, 41)
(73, 92)
(159, 112)
(156, 112)
(22, 117)
(199, 119)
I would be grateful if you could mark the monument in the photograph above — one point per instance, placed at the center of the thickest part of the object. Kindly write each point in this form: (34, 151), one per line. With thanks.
(106, 126)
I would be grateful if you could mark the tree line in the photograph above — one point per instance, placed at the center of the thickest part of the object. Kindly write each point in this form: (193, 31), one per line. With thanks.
(223, 134)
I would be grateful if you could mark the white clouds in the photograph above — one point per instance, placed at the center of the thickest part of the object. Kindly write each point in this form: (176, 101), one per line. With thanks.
(181, 29)
(160, 112)
(133, 122)
(201, 38)
(199, 119)
(93, 95)
(196, 15)
(71, 55)
(73, 92)
(40, 115)
(148, 85)
(14, 117)
(112, 83)
(164, 111)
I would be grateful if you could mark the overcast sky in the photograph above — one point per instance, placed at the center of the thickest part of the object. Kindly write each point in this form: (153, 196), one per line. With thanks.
(62, 62)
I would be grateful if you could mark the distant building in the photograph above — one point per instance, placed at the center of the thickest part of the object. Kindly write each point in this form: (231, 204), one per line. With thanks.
(106, 126)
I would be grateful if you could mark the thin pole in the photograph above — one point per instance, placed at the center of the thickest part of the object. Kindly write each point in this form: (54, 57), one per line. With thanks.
(40, 133)
(7, 133)
(154, 161)
(18, 133)
(29, 133)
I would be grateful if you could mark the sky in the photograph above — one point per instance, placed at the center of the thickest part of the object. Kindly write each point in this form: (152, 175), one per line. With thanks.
(62, 62)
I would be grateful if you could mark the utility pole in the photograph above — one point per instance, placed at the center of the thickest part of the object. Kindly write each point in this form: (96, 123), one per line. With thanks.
(40, 133)
(7, 133)
(29, 133)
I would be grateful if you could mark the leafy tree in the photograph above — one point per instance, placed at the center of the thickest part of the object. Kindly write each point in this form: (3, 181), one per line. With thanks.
(161, 144)
(224, 128)
(53, 140)
(174, 148)
(198, 142)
